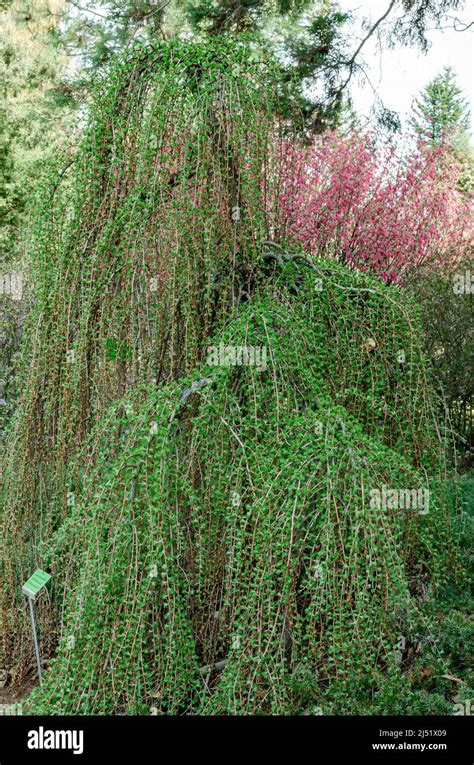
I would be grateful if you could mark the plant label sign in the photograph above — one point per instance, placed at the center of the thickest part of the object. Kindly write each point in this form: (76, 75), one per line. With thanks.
(35, 583)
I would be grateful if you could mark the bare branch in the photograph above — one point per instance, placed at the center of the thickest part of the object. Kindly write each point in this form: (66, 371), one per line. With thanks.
(352, 62)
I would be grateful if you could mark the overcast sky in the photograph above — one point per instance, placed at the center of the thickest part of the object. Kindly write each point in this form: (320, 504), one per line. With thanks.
(399, 75)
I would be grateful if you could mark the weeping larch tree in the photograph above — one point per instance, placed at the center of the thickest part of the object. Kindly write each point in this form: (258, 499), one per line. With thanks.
(210, 521)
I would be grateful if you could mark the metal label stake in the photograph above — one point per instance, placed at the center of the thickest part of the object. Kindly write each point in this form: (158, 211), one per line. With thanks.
(31, 589)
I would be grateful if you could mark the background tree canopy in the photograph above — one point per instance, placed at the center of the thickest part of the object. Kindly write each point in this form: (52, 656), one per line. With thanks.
(311, 38)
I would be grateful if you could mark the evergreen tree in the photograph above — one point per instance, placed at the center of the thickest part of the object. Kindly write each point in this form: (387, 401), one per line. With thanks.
(312, 39)
(441, 110)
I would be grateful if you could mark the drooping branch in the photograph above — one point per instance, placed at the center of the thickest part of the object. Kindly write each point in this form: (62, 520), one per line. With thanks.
(352, 63)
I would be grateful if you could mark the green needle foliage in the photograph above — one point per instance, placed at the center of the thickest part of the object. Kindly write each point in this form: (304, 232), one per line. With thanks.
(146, 238)
(441, 112)
(209, 528)
(233, 530)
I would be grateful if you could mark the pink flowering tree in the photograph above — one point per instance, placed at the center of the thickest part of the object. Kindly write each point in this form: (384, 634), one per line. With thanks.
(344, 197)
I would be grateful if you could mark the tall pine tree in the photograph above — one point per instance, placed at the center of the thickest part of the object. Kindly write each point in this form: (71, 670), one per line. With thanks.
(441, 111)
